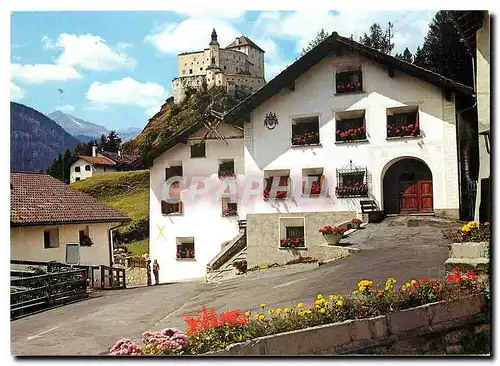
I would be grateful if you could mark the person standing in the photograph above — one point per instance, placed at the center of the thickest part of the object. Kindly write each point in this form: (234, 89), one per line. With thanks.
(156, 272)
(148, 271)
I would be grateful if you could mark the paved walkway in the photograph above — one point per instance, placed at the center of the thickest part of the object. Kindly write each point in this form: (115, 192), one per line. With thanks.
(403, 247)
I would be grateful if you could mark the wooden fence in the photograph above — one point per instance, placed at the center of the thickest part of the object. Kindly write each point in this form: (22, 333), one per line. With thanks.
(31, 292)
(112, 278)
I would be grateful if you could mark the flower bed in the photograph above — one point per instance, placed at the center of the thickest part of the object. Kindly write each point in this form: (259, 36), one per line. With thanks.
(302, 260)
(241, 266)
(208, 331)
(475, 232)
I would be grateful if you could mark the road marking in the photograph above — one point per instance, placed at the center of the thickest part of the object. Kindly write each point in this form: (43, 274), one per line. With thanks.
(289, 283)
(42, 333)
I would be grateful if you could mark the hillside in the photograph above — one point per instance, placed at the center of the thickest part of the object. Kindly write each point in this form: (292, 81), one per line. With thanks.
(127, 192)
(35, 139)
(169, 126)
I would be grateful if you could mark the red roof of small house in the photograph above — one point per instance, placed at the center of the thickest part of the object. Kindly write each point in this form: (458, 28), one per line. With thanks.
(99, 160)
(244, 41)
(123, 159)
(40, 199)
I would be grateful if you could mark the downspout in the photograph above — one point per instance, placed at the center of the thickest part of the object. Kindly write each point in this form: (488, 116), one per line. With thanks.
(466, 159)
(110, 243)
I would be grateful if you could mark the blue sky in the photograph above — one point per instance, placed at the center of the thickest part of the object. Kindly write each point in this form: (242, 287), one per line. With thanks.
(115, 68)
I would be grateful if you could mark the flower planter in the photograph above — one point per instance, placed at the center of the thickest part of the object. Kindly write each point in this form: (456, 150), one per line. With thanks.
(355, 225)
(332, 239)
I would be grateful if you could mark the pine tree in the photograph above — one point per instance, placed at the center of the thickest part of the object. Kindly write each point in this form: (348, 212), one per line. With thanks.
(320, 37)
(113, 142)
(61, 166)
(102, 144)
(378, 38)
(407, 56)
(442, 51)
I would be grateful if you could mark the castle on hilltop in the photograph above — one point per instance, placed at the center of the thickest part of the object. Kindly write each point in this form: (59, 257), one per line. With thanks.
(239, 66)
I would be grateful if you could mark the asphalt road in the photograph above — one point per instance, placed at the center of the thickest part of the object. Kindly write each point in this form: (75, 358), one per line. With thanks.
(402, 247)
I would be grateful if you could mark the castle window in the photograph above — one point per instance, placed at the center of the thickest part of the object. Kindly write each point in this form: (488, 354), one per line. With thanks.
(190, 71)
(225, 68)
(201, 68)
(183, 72)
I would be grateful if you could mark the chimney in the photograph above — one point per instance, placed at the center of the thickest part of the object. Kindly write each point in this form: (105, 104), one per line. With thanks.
(94, 151)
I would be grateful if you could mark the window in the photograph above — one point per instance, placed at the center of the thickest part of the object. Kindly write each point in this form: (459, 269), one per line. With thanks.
(226, 169)
(350, 126)
(104, 168)
(351, 182)
(283, 179)
(51, 238)
(305, 131)
(292, 233)
(225, 68)
(77, 169)
(348, 79)
(84, 238)
(87, 168)
(185, 248)
(190, 71)
(198, 150)
(77, 179)
(229, 208)
(201, 68)
(312, 180)
(183, 72)
(403, 121)
(174, 192)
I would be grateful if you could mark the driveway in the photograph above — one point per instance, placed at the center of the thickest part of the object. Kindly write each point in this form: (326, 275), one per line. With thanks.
(403, 247)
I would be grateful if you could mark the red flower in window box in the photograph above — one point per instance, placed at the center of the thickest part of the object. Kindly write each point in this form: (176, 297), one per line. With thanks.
(315, 188)
(294, 242)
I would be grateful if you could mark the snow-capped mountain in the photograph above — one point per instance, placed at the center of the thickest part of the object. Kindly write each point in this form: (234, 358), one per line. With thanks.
(84, 130)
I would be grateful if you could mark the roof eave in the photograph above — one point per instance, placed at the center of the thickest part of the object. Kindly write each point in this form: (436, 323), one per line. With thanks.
(68, 222)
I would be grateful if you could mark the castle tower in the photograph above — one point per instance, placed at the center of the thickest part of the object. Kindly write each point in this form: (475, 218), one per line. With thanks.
(214, 50)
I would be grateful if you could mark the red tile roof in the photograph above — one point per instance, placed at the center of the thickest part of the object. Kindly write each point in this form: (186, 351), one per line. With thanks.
(244, 41)
(124, 159)
(101, 160)
(39, 199)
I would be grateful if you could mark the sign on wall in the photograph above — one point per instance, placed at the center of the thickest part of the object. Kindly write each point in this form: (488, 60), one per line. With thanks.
(72, 253)
(271, 120)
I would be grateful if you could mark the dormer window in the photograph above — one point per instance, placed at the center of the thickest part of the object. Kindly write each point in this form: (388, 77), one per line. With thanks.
(348, 79)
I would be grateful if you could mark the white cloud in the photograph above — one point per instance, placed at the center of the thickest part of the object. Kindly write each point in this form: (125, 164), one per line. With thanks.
(40, 73)
(89, 52)
(190, 35)
(16, 93)
(274, 62)
(302, 26)
(65, 108)
(128, 91)
(211, 12)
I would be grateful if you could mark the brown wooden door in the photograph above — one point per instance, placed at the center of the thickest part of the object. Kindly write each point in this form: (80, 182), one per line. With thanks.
(408, 197)
(425, 196)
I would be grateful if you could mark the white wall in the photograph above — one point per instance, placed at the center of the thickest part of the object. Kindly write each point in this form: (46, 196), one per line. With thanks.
(83, 174)
(201, 217)
(314, 95)
(27, 243)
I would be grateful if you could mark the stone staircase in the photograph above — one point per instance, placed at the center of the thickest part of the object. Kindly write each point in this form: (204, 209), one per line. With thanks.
(221, 266)
(474, 256)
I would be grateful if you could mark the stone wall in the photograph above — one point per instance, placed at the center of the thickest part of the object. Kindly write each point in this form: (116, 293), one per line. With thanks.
(432, 328)
(263, 237)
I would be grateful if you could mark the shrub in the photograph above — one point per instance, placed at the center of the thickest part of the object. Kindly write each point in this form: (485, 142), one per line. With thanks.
(168, 341)
(475, 232)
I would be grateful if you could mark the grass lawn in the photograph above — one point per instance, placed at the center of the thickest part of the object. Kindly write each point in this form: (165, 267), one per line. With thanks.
(138, 248)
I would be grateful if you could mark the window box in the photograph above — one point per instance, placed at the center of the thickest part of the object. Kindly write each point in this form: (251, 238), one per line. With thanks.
(294, 238)
(84, 238)
(313, 178)
(403, 122)
(351, 182)
(280, 195)
(185, 250)
(350, 126)
(226, 169)
(349, 80)
(305, 131)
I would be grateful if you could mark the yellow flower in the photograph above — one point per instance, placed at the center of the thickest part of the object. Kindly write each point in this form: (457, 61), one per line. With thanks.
(308, 311)
(317, 306)
(262, 305)
(257, 316)
(365, 283)
(355, 292)
(301, 313)
(333, 297)
(339, 303)
(326, 303)
(362, 288)
(278, 311)
(247, 313)
(270, 311)
(320, 296)
(262, 317)
(300, 305)
(322, 311)
(414, 282)
(286, 310)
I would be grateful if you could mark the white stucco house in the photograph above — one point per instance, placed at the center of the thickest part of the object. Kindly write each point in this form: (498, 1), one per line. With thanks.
(343, 123)
(101, 162)
(49, 221)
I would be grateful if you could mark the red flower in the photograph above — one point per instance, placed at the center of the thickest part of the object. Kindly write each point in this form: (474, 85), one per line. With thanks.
(425, 279)
(470, 274)
(398, 131)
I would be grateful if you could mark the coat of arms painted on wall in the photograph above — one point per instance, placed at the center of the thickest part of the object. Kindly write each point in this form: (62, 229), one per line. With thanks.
(271, 120)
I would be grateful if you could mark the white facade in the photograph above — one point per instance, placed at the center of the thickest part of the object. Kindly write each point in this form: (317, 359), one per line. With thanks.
(27, 243)
(87, 170)
(271, 150)
(240, 66)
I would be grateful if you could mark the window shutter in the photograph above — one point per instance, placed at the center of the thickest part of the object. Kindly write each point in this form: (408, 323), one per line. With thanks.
(164, 208)
(321, 180)
(168, 173)
(269, 183)
(225, 204)
(417, 118)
